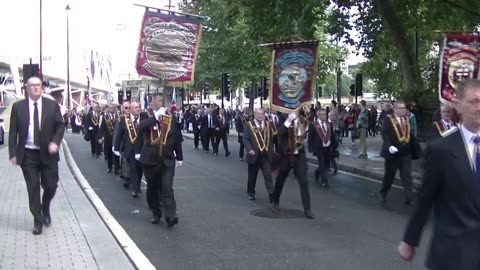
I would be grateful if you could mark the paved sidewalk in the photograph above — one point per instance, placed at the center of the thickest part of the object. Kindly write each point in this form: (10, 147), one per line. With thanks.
(372, 167)
(77, 238)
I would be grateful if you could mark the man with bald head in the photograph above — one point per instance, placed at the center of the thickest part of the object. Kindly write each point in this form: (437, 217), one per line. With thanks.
(125, 139)
(36, 130)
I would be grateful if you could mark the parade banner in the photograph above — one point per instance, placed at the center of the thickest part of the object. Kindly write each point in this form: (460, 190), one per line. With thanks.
(168, 47)
(459, 60)
(293, 71)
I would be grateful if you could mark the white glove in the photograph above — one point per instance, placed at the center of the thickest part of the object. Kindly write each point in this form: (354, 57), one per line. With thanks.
(392, 149)
(179, 163)
(116, 153)
(163, 111)
(90, 128)
(292, 116)
(137, 156)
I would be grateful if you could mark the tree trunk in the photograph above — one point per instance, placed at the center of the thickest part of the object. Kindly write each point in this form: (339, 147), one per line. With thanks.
(412, 80)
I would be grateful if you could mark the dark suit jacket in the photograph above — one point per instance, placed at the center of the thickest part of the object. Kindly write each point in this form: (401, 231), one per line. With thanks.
(195, 122)
(282, 138)
(52, 129)
(390, 139)
(104, 132)
(250, 143)
(122, 141)
(315, 143)
(171, 151)
(449, 186)
(204, 123)
(89, 123)
(222, 126)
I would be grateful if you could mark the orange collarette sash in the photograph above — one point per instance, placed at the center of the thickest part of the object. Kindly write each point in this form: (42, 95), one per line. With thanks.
(132, 132)
(109, 122)
(402, 133)
(262, 140)
(324, 136)
(274, 126)
(159, 131)
(95, 119)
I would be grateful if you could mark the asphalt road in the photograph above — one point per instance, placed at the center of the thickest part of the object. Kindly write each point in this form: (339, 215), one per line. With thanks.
(217, 230)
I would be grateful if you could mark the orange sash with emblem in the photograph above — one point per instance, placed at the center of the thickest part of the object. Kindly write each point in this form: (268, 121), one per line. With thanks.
(262, 140)
(132, 132)
(159, 131)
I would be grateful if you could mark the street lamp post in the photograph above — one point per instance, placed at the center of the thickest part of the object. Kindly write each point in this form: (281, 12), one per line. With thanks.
(68, 59)
(339, 81)
(41, 45)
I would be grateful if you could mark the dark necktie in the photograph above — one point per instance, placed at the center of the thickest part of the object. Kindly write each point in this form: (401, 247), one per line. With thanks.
(476, 154)
(448, 126)
(36, 125)
(136, 122)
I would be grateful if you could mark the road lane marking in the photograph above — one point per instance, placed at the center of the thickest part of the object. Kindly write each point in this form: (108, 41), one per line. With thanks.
(130, 248)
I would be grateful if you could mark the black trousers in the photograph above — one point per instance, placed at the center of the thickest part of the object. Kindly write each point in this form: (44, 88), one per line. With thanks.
(220, 135)
(95, 146)
(109, 156)
(196, 138)
(160, 188)
(39, 173)
(208, 137)
(241, 152)
(135, 172)
(299, 163)
(263, 164)
(404, 164)
(323, 158)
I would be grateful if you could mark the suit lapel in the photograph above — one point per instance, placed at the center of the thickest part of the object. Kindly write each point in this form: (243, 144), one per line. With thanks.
(463, 165)
(44, 115)
(27, 115)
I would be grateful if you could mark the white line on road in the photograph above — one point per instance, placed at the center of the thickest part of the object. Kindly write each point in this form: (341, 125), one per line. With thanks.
(127, 244)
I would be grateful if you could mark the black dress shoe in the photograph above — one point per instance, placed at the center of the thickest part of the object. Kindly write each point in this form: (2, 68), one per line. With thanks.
(228, 154)
(115, 172)
(109, 170)
(309, 214)
(317, 175)
(126, 185)
(275, 208)
(251, 197)
(135, 194)
(156, 218)
(172, 221)
(37, 229)
(325, 184)
(381, 197)
(47, 220)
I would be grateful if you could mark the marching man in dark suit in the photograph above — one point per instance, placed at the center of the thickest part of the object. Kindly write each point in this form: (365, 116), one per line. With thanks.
(221, 132)
(207, 128)
(160, 154)
(445, 124)
(194, 120)
(36, 131)
(397, 151)
(75, 121)
(240, 122)
(291, 148)
(91, 125)
(321, 141)
(257, 138)
(127, 135)
(105, 136)
(451, 185)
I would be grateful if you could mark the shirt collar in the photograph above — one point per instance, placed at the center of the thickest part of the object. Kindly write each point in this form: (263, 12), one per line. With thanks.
(39, 102)
(467, 134)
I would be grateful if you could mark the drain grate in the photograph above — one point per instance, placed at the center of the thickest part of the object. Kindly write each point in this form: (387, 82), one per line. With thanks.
(282, 214)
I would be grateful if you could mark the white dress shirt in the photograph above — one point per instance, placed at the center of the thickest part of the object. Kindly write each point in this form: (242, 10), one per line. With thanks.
(445, 123)
(29, 144)
(468, 138)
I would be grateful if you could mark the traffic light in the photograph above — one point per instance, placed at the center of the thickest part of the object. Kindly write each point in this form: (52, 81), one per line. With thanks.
(265, 87)
(226, 86)
(359, 84)
(206, 89)
(246, 92)
(182, 93)
(352, 90)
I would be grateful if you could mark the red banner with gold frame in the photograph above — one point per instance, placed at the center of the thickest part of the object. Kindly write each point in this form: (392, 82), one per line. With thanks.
(293, 72)
(459, 60)
(168, 46)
